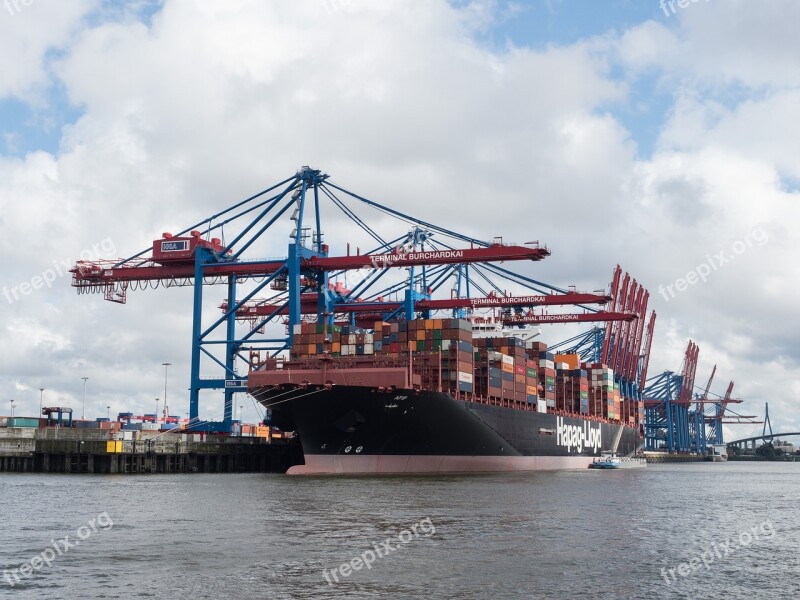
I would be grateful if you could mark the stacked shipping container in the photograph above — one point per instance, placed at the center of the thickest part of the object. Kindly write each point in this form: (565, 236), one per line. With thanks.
(547, 372)
(572, 388)
(445, 356)
(503, 370)
(604, 393)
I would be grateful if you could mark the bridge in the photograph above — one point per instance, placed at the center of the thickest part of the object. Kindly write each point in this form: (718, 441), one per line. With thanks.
(750, 442)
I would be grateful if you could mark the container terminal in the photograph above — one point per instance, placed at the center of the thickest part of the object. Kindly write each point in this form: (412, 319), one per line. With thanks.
(428, 360)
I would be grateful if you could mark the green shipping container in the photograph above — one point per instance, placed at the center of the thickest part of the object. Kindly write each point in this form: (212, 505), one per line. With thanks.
(23, 422)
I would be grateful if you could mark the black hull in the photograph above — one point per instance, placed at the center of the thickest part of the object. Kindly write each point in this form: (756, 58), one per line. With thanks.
(350, 429)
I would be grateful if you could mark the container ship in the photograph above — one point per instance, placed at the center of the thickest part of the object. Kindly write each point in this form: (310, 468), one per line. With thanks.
(434, 396)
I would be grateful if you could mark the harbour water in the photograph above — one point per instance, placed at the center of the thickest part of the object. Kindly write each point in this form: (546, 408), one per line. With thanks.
(734, 527)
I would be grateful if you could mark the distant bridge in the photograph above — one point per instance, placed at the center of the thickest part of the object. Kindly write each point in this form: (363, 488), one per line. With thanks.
(751, 441)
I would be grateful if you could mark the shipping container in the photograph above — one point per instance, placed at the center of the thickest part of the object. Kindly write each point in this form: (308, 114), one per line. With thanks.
(22, 422)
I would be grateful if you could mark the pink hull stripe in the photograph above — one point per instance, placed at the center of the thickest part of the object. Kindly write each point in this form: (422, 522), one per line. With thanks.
(317, 464)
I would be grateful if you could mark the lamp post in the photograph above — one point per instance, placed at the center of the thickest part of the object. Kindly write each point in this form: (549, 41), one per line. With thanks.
(156, 415)
(12, 408)
(108, 413)
(83, 412)
(41, 398)
(166, 366)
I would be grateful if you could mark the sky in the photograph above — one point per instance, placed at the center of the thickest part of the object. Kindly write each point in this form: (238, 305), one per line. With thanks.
(656, 136)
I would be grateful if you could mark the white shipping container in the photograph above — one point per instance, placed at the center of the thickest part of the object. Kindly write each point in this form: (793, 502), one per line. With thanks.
(298, 329)
(464, 377)
(508, 360)
(345, 350)
(369, 338)
(369, 348)
(551, 403)
(541, 406)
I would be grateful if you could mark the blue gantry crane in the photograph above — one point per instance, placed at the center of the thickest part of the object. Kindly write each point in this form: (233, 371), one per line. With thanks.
(419, 269)
(679, 421)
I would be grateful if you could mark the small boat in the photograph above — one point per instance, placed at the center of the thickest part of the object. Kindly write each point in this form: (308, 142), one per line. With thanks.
(608, 460)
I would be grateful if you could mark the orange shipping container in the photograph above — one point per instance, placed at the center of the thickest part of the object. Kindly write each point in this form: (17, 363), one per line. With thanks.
(573, 360)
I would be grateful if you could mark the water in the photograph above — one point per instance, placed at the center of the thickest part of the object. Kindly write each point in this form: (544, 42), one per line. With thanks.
(592, 534)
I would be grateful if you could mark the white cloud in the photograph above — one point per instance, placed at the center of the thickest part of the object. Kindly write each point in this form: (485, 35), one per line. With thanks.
(28, 34)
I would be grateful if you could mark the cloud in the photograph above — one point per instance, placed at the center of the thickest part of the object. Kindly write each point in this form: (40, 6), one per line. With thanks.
(31, 30)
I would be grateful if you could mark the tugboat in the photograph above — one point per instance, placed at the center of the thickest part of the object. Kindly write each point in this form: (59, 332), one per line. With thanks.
(609, 460)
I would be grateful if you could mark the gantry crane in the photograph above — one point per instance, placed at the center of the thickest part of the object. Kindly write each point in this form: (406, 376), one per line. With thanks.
(303, 283)
(623, 344)
(677, 422)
